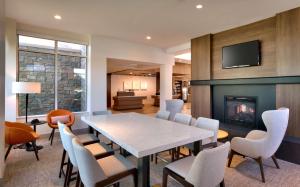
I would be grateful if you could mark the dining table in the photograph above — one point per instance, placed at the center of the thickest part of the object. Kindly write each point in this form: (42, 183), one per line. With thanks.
(143, 135)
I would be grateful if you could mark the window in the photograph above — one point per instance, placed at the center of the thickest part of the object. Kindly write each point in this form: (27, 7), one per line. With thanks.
(61, 69)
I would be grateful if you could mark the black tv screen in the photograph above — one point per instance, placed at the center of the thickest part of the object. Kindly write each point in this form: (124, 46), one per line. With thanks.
(241, 55)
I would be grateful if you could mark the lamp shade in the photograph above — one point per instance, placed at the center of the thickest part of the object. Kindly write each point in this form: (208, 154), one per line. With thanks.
(26, 87)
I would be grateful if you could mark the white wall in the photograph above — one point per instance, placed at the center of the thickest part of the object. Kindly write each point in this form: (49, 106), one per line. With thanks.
(2, 91)
(100, 48)
(105, 47)
(117, 85)
(10, 69)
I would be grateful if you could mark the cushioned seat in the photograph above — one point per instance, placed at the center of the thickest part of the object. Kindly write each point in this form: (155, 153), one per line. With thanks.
(86, 138)
(119, 163)
(182, 166)
(98, 148)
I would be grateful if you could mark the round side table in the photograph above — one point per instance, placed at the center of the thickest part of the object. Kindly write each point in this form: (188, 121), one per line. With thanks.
(222, 135)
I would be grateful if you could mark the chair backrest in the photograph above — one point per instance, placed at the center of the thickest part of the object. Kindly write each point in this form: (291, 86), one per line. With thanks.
(174, 106)
(59, 112)
(208, 168)
(163, 115)
(68, 137)
(183, 118)
(209, 124)
(276, 122)
(61, 127)
(103, 112)
(89, 169)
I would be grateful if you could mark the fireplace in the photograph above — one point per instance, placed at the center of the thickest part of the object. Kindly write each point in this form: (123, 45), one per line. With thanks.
(240, 110)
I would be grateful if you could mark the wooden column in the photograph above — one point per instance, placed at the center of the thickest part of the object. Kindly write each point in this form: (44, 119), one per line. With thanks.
(288, 43)
(201, 70)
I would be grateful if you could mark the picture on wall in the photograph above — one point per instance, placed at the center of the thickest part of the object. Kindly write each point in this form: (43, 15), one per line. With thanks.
(127, 85)
(136, 85)
(144, 85)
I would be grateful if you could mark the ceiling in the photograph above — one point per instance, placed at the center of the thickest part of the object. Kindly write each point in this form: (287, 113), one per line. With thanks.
(135, 68)
(168, 22)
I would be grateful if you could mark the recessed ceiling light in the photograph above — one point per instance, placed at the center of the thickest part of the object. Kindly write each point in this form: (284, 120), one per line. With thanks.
(130, 73)
(199, 6)
(58, 17)
(149, 74)
(148, 37)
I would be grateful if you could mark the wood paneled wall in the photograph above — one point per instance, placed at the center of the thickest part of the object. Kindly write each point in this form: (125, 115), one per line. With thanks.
(264, 31)
(201, 57)
(288, 42)
(288, 95)
(201, 101)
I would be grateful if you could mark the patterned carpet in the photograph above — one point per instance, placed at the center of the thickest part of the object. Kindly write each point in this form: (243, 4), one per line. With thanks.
(24, 171)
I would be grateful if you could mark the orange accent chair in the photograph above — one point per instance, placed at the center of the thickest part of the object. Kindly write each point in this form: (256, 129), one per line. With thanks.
(20, 133)
(58, 115)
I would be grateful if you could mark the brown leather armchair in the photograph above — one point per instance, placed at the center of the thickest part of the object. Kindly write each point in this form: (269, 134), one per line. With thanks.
(59, 113)
(20, 133)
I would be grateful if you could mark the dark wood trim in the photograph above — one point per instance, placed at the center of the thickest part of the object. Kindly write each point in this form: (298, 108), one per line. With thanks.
(249, 81)
(181, 180)
(119, 176)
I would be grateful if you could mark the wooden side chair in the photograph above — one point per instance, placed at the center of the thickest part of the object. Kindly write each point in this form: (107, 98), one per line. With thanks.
(20, 133)
(64, 116)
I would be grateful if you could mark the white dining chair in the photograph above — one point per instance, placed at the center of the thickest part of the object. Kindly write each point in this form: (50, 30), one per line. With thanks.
(260, 145)
(181, 118)
(185, 119)
(174, 106)
(100, 113)
(207, 169)
(163, 114)
(84, 139)
(98, 150)
(102, 172)
(207, 124)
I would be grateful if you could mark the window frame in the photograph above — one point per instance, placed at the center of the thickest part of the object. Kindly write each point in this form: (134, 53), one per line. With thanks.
(56, 54)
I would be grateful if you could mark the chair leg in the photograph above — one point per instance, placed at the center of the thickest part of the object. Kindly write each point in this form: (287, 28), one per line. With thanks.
(259, 161)
(222, 184)
(151, 158)
(70, 174)
(35, 150)
(52, 136)
(67, 173)
(8, 150)
(165, 178)
(116, 184)
(275, 162)
(62, 162)
(77, 180)
(231, 154)
(155, 159)
(135, 179)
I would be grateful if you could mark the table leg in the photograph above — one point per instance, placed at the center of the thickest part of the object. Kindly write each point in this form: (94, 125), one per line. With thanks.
(144, 172)
(197, 147)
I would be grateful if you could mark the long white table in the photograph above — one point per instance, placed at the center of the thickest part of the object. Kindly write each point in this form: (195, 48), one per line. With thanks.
(143, 135)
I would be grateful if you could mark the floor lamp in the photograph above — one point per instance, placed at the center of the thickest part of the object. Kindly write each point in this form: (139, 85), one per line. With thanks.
(26, 88)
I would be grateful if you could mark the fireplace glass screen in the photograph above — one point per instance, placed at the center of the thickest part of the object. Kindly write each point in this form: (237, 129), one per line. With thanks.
(240, 110)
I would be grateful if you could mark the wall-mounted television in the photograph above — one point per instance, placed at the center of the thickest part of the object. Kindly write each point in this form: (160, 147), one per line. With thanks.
(241, 55)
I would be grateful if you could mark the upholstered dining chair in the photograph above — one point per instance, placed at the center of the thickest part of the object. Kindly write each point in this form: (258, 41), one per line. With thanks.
(20, 133)
(181, 118)
(174, 106)
(162, 114)
(102, 172)
(64, 116)
(207, 124)
(259, 144)
(98, 150)
(99, 113)
(85, 139)
(206, 169)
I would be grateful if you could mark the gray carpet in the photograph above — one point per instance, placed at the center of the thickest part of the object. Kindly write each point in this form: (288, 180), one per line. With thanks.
(24, 171)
